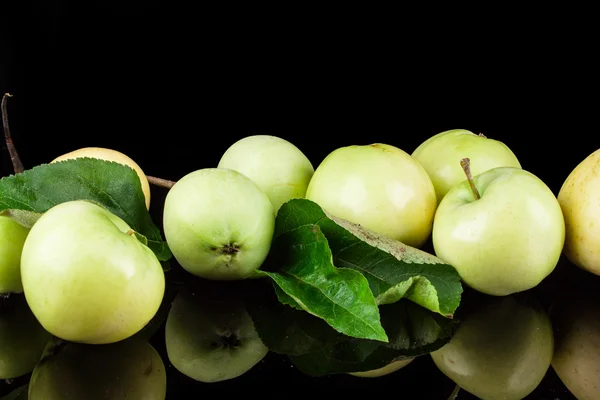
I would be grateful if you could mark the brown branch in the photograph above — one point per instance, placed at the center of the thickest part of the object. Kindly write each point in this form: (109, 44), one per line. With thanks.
(160, 182)
(12, 150)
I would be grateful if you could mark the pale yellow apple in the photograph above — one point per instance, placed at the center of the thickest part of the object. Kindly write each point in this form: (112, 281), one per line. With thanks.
(378, 186)
(110, 155)
(440, 155)
(579, 199)
(385, 370)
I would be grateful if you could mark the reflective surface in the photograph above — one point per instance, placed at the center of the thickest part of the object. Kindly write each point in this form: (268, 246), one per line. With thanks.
(237, 337)
(121, 76)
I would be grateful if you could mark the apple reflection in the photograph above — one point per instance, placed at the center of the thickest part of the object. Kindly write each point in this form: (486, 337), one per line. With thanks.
(209, 335)
(130, 369)
(576, 320)
(22, 338)
(501, 350)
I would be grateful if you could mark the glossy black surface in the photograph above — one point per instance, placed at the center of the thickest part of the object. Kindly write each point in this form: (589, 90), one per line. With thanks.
(419, 379)
(173, 93)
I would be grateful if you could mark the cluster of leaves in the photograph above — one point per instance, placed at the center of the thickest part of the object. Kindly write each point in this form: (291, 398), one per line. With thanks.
(331, 270)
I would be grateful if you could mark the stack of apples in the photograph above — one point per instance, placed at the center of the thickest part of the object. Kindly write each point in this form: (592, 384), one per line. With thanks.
(498, 225)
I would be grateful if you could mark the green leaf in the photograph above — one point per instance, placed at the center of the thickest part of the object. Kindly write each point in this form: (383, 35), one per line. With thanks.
(141, 238)
(317, 349)
(393, 269)
(112, 185)
(20, 393)
(23, 217)
(284, 298)
(309, 280)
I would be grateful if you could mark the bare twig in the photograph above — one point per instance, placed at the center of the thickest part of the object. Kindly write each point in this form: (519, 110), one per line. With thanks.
(160, 182)
(14, 156)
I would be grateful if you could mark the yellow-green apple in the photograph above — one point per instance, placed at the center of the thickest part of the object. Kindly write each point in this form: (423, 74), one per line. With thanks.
(440, 155)
(277, 166)
(22, 339)
(110, 155)
(576, 361)
(209, 335)
(578, 198)
(129, 369)
(500, 352)
(385, 370)
(502, 230)
(12, 239)
(86, 276)
(218, 224)
(378, 186)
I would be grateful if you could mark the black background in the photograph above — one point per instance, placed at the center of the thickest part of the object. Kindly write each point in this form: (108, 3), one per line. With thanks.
(174, 88)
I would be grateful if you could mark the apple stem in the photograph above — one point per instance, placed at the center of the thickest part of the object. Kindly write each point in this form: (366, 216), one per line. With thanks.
(130, 232)
(482, 135)
(454, 393)
(160, 182)
(12, 150)
(465, 163)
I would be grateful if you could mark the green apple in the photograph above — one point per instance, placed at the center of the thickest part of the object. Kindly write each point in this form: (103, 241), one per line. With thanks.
(218, 224)
(502, 230)
(385, 370)
(378, 186)
(12, 239)
(440, 155)
(86, 276)
(209, 335)
(578, 198)
(277, 166)
(576, 361)
(22, 338)
(130, 369)
(501, 351)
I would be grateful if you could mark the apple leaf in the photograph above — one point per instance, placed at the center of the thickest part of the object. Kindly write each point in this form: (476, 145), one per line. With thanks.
(317, 349)
(393, 269)
(306, 278)
(20, 393)
(23, 217)
(143, 239)
(284, 298)
(109, 184)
